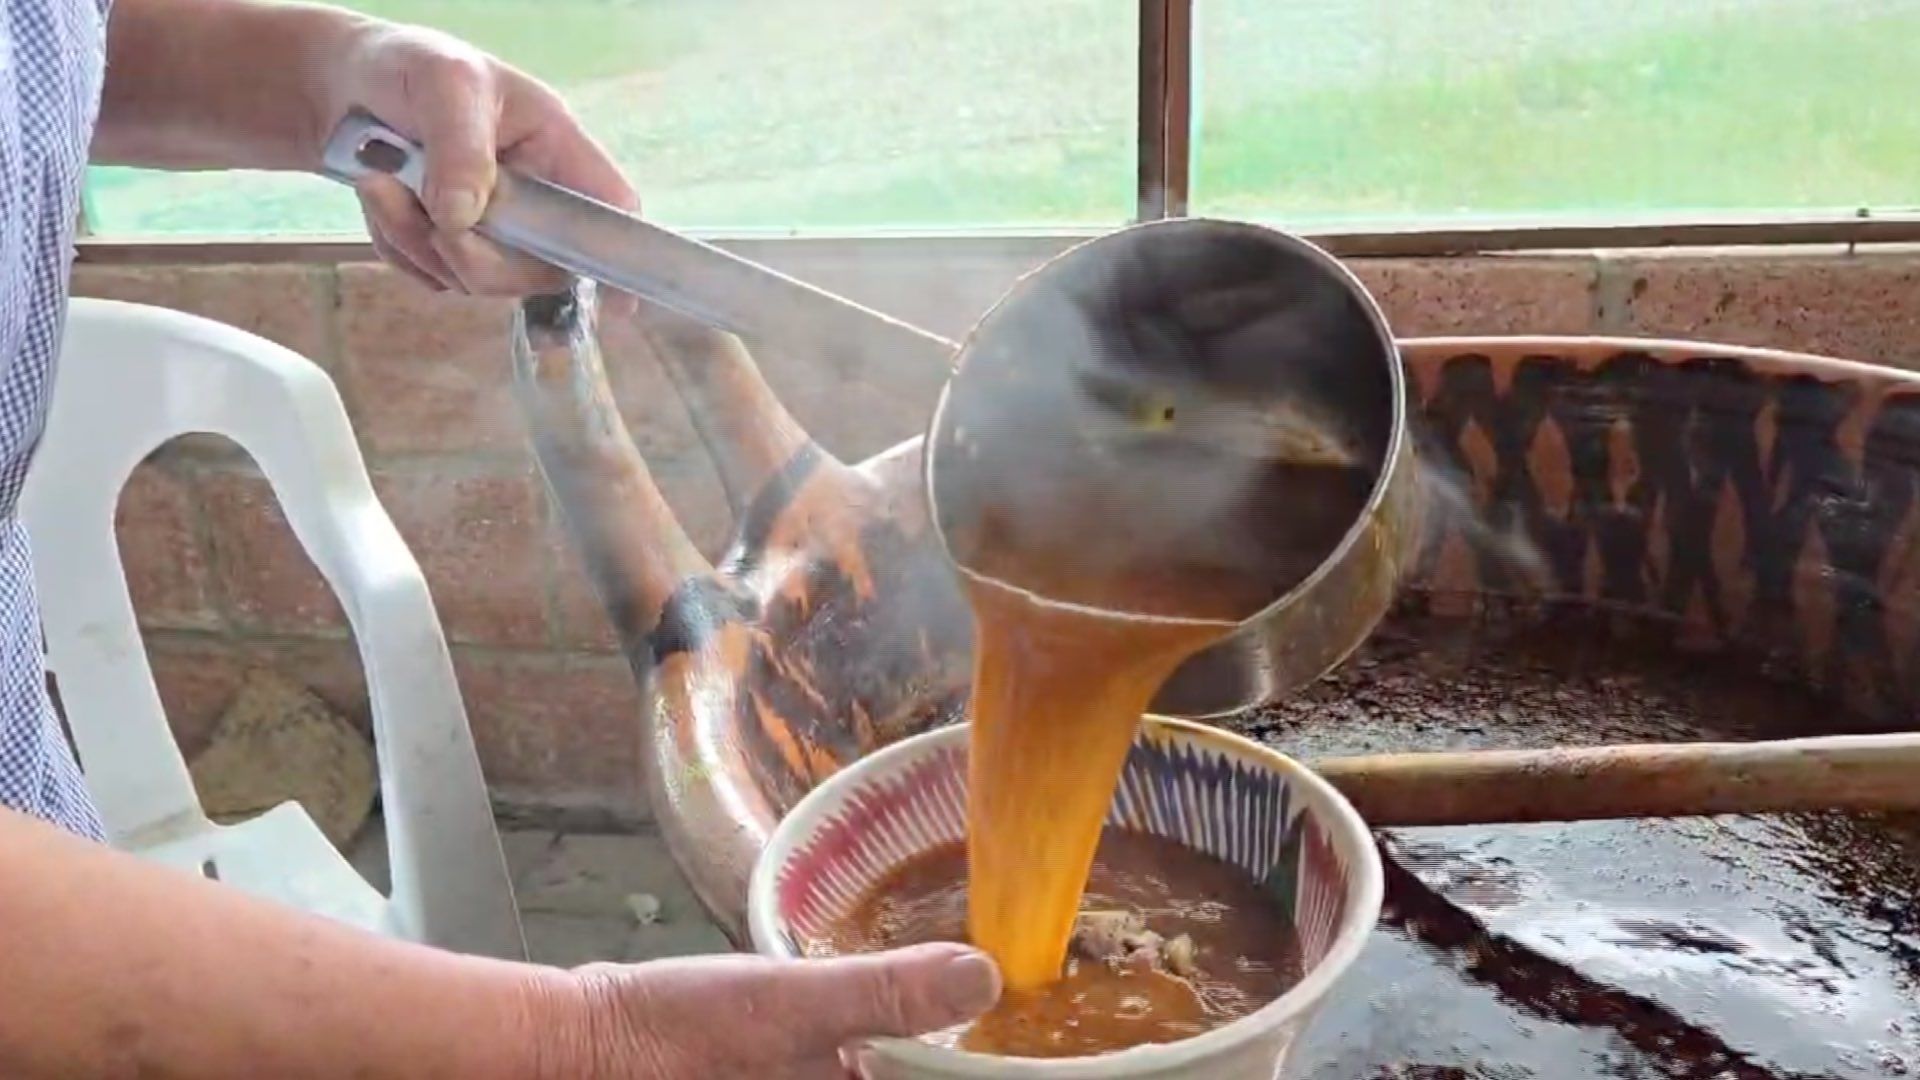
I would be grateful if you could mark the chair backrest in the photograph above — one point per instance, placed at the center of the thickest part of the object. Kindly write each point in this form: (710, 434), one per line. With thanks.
(130, 379)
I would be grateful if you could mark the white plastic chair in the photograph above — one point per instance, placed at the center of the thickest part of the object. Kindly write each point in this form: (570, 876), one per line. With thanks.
(132, 377)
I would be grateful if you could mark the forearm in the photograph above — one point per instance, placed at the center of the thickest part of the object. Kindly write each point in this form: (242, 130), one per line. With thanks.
(216, 84)
(116, 967)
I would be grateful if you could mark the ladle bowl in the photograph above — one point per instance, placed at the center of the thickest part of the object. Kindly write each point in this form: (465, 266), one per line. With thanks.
(1191, 419)
(1203, 788)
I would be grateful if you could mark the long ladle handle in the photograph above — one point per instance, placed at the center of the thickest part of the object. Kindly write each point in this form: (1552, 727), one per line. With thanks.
(595, 240)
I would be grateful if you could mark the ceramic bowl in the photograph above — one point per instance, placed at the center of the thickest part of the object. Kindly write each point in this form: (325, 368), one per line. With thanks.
(1209, 790)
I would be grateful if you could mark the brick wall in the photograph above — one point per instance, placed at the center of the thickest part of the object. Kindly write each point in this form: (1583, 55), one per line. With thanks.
(220, 583)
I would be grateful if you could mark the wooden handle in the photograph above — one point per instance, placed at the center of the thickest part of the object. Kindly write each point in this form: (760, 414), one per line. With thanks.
(1849, 772)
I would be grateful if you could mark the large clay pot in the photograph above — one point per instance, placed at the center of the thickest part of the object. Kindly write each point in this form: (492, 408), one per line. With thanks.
(1754, 513)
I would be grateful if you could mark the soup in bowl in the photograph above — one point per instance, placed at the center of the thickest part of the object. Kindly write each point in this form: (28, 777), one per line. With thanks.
(1231, 891)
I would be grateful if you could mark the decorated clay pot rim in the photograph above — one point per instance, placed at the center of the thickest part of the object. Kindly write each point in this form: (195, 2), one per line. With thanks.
(1343, 825)
(1774, 360)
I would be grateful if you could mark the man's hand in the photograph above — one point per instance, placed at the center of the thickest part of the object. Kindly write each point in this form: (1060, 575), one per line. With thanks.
(751, 1016)
(260, 84)
(136, 969)
(469, 111)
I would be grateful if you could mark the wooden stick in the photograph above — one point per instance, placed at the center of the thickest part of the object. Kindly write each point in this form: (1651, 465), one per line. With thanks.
(1848, 772)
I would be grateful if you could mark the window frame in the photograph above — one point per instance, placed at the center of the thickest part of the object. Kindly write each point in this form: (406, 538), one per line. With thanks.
(1163, 188)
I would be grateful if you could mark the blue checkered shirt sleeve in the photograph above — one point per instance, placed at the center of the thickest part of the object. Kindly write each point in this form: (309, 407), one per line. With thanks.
(51, 54)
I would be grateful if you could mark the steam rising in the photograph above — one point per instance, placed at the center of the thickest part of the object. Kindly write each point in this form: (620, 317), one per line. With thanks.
(1447, 505)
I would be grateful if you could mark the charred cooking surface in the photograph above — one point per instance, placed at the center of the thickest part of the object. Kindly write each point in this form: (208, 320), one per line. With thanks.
(1724, 947)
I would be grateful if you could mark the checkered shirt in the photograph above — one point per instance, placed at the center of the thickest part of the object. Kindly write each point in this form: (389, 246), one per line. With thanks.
(51, 58)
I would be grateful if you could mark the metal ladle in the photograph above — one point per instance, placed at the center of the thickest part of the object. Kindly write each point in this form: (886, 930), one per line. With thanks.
(594, 240)
(1135, 368)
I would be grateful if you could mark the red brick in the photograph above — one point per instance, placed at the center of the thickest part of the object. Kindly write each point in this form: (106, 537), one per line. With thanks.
(425, 371)
(479, 538)
(942, 284)
(281, 303)
(475, 534)
(266, 581)
(853, 401)
(580, 619)
(1859, 307)
(161, 553)
(853, 418)
(1492, 295)
(646, 397)
(555, 730)
(429, 372)
(692, 488)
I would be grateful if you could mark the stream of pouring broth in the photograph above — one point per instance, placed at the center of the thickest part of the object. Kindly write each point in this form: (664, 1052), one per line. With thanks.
(1058, 692)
